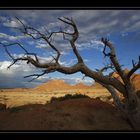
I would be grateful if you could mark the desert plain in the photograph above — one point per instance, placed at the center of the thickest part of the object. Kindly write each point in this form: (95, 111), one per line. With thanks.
(31, 109)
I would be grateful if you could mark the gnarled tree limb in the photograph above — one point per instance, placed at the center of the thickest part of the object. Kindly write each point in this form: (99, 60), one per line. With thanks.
(113, 58)
(79, 66)
(117, 100)
(135, 68)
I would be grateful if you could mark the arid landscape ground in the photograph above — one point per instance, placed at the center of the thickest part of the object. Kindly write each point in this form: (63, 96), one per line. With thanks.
(30, 109)
(43, 93)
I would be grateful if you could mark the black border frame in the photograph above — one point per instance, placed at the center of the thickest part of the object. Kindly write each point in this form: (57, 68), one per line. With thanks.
(20, 5)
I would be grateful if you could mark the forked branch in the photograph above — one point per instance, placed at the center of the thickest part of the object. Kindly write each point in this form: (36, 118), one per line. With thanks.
(135, 68)
(105, 68)
(113, 58)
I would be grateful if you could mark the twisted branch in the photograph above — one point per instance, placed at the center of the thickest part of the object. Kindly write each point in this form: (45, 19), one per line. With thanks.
(113, 58)
(108, 66)
(135, 68)
(78, 67)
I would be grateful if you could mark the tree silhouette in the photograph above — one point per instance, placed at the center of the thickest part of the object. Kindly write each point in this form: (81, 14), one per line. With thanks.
(130, 106)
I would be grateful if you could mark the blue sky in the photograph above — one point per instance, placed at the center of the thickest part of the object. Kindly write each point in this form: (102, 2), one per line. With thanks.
(122, 27)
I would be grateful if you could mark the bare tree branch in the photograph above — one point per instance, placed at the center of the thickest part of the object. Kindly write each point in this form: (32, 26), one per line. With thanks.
(41, 36)
(108, 80)
(116, 99)
(108, 66)
(79, 67)
(75, 36)
(135, 68)
(36, 76)
(113, 58)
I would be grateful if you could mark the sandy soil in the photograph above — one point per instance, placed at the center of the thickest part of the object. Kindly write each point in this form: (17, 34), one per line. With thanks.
(72, 114)
(29, 109)
(18, 98)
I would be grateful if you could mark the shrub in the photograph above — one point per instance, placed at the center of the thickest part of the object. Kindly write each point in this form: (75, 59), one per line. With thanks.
(15, 109)
(2, 107)
(68, 96)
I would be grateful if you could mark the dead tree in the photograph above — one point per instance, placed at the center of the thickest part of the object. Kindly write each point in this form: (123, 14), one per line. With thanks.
(130, 106)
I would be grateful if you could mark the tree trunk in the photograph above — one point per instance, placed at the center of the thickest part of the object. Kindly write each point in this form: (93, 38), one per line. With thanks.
(132, 110)
(134, 119)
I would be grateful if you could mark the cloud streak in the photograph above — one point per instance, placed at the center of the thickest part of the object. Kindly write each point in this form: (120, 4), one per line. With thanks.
(10, 37)
(13, 77)
(98, 22)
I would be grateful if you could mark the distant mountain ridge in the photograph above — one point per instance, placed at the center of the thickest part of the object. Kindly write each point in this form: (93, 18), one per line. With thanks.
(60, 85)
(81, 86)
(53, 85)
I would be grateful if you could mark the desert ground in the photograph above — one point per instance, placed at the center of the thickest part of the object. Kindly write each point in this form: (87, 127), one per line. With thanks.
(19, 98)
(31, 109)
(44, 92)
(72, 114)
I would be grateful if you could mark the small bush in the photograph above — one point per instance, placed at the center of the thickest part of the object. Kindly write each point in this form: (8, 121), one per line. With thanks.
(98, 98)
(68, 96)
(15, 109)
(2, 107)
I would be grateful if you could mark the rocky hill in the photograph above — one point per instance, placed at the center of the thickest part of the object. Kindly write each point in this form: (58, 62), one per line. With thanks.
(62, 85)
(53, 85)
(81, 86)
(96, 86)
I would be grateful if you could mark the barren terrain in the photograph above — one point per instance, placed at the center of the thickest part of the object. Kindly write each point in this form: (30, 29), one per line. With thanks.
(43, 93)
(72, 114)
(31, 109)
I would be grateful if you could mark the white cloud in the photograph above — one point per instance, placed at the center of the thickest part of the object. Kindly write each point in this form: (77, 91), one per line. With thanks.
(41, 45)
(4, 65)
(64, 53)
(41, 59)
(75, 80)
(91, 44)
(11, 22)
(4, 41)
(133, 27)
(14, 77)
(3, 19)
(124, 34)
(31, 42)
(44, 59)
(72, 61)
(10, 37)
(96, 21)
(20, 66)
